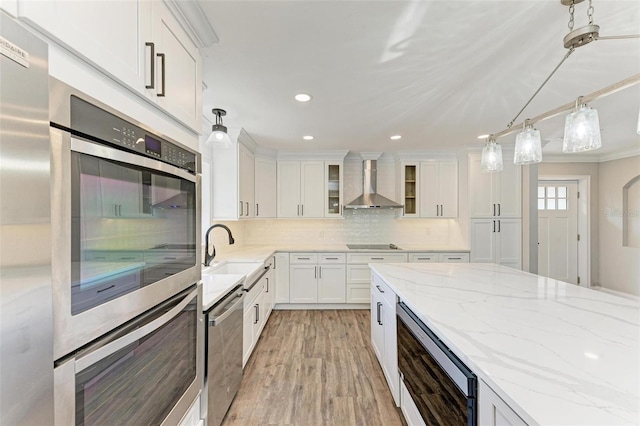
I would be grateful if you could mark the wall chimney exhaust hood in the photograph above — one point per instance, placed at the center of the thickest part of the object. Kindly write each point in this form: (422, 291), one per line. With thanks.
(370, 199)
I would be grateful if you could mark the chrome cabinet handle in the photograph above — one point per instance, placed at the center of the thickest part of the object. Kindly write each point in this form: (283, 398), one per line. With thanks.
(162, 93)
(380, 289)
(378, 312)
(153, 65)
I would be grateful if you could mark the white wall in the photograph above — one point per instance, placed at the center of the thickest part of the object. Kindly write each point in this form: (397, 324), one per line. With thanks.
(619, 265)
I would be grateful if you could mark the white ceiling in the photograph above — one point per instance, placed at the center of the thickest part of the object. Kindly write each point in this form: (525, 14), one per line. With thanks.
(437, 72)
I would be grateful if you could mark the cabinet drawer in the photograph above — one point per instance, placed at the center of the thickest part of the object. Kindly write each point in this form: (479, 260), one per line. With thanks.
(359, 274)
(333, 258)
(303, 258)
(376, 257)
(380, 287)
(358, 293)
(423, 257)
(454, 257)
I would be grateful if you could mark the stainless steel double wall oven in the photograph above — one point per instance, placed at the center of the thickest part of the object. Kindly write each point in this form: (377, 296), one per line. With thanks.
(126, 232)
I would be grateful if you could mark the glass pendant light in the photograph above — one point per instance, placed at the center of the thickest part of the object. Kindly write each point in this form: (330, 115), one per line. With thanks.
(491, 160)
(218, 130)
(528, 146)
(581, 129)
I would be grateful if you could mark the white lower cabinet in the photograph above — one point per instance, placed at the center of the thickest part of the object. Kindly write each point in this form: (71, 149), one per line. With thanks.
(497, 241)
(281, 277)
(257, 305)
(384, 334)
(409, 410)
(493, 411)
(359, 273)
(317, 278)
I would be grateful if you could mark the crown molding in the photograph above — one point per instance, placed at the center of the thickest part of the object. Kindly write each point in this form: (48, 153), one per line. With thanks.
(335, 155)
(194, 21)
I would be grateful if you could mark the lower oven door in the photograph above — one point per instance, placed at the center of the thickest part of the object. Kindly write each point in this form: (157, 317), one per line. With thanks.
(442, 388)
(148, 372)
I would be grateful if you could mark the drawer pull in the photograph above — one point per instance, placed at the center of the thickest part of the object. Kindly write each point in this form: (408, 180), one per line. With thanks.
(377, 258)
(380, 289)
(105, 289)
(304, 258)
(170, 258)
(454, 258)
(332, 258)
(424, 258)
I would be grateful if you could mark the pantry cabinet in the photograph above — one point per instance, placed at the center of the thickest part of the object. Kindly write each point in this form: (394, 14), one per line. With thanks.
(494, 194)
(300, 189)
(497, 241)
(265, 187)
(138, 43)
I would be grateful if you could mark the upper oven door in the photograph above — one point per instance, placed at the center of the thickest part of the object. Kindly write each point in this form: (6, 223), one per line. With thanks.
(125, 235)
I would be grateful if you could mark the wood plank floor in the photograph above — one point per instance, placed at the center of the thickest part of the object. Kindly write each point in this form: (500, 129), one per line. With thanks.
(314, 368)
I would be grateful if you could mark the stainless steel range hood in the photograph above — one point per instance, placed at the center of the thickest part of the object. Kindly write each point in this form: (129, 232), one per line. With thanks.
(370, 199)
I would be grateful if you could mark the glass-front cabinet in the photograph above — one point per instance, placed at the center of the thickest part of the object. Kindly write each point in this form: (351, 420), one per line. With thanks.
(409, 187)
(333, 189)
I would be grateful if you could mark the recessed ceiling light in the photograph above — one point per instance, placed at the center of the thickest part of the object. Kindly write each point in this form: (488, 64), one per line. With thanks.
(302, 97)
(395, 137)
(483, 136)
(308, 138)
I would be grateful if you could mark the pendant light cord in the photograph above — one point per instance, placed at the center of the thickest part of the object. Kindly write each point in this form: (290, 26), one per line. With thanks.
(540, 88)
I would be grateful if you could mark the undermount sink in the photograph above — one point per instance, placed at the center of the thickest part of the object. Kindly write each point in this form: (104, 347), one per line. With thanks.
(249, 269)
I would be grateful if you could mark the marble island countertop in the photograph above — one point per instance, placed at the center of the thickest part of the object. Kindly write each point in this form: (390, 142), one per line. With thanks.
(558, 354)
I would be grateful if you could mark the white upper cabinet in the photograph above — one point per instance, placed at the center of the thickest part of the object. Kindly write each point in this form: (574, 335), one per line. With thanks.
(333, 190)
(265, 187)
(409, 187)
(494, 194)
(138, 43)
(301, 188)
(439, 189)
(246, 177)
(112, 35)
(177, 69)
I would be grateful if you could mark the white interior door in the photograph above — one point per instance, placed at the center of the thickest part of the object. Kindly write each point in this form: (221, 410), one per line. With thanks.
(558, 230)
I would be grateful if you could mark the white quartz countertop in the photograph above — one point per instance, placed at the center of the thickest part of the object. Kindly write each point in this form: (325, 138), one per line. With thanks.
(216, 286)
(557, 353)
(262, 253)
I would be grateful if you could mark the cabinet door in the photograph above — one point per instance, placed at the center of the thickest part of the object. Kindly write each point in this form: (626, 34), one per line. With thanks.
(390, 355)
(483, 245)
(429, 189)
(409, 189)
(269, 295)
(303, 284)
(448, 188)
(492, 410)
(281, 269)
(509, 243)
(246, 181)
(178, 86)
(121, 190)
(265, 187)
(288, 193)
(333, 189)
(332, 284)
(481, 190)
(377, 330)
(110, 34)
(312, 192)
(248, 322)
(508, 190)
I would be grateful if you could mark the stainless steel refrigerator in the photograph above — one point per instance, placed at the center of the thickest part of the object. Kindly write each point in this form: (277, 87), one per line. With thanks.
(26, 346)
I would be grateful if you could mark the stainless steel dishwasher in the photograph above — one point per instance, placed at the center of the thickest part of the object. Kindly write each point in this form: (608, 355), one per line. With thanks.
(223, 369)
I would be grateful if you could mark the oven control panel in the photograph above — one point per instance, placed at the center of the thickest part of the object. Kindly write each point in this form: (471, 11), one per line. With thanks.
(101, 126)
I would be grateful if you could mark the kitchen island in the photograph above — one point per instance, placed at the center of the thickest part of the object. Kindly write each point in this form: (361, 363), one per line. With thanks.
(555, 353)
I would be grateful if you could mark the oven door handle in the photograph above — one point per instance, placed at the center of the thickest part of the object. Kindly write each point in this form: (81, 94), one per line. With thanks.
(102, 352)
